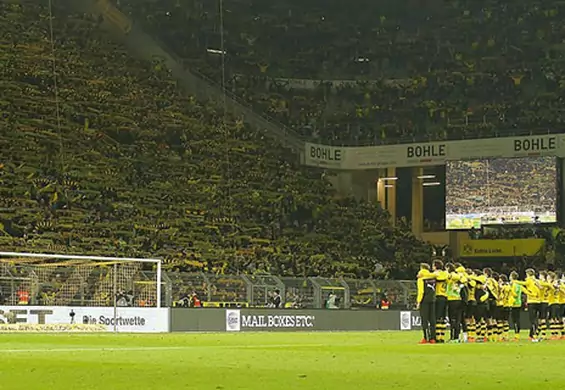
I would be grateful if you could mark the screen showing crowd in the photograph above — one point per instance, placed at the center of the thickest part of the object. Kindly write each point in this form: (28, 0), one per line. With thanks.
(500, 190)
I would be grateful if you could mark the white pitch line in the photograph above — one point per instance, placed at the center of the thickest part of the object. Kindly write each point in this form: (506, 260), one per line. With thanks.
(141, 349)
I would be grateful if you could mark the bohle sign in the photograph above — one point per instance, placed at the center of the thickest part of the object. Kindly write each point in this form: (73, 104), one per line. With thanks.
(431, 153)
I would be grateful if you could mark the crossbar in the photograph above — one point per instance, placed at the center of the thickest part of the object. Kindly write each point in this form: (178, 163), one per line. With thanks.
(77, 257)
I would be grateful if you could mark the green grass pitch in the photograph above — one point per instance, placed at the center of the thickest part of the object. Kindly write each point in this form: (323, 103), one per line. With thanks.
(267, 361)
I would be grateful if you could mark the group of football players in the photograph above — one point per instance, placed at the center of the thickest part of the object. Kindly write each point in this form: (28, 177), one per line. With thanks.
(481, 305)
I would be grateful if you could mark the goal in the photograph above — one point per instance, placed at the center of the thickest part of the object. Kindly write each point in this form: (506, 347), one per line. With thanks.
(113, 286)
(72, 280)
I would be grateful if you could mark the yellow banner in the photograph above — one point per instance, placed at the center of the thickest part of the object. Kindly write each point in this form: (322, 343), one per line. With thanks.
(501, 248)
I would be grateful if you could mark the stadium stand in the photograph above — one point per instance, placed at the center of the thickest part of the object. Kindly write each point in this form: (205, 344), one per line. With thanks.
(121, 161)
(381, 71)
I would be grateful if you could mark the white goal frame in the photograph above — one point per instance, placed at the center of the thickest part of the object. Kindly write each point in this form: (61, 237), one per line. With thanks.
(95, 258)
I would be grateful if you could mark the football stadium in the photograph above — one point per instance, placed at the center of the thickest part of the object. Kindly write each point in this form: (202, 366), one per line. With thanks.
(281, 195)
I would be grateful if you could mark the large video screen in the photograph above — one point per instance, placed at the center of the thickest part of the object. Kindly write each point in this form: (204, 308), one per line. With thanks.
(500, 190)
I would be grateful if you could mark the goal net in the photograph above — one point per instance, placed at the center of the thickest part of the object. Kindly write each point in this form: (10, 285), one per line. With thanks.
(70, 284)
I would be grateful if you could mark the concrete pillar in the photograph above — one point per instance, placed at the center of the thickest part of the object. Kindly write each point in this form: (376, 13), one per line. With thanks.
(380, 184)
(391, 194)
(417, 202)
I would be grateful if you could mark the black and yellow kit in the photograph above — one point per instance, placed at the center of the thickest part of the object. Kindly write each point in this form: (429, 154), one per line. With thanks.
(426, 299)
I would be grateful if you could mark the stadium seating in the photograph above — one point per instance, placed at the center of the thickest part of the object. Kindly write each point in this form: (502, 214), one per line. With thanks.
(120, 161)
(380, 71)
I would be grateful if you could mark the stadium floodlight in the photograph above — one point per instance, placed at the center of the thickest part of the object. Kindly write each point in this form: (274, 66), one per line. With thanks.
(427, 177)
(79, 280)
(388, 178)
(431, 183)
(216, 51)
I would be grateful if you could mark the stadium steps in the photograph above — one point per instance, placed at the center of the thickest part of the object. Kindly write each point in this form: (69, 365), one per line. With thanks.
(141, 44)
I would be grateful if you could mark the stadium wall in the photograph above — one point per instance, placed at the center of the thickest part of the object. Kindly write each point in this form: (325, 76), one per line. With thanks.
(294, 320)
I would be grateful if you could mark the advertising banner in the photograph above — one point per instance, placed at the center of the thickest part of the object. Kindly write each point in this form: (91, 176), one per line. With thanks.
(237, 321)
(128, 319)
(233, 320)
(324, 156)
(431, 153)
(410, 320)
(501, 248)
(405, 320)
(288, 320)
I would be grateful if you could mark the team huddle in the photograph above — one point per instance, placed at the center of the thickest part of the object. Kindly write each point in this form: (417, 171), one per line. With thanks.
(480, 306)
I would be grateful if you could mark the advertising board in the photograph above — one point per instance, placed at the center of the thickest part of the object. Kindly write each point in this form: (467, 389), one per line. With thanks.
(127, 319)
(431, 153)
(501, 248)
(282, 320)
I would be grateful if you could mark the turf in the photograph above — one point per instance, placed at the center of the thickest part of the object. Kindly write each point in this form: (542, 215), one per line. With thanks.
(379, 360)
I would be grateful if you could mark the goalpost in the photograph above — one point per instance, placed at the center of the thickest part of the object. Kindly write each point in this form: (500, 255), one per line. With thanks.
(97, 283)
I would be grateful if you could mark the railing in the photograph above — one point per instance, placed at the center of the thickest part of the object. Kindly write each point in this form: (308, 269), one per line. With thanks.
(498, 133)
(212, 290)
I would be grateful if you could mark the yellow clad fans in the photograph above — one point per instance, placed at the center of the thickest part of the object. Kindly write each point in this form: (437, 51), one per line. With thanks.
(371, 99)
(145, 168)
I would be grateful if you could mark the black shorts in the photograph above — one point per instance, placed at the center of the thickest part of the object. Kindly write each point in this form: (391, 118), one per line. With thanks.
(481, 311)
(543, 311)
(492, 310)
(505, 313)
(555, 311)
(562, 310)
(441, 308)
(470, 310)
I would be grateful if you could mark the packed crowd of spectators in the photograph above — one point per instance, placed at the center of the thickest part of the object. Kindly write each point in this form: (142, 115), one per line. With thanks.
(376, 71)
(120, 161)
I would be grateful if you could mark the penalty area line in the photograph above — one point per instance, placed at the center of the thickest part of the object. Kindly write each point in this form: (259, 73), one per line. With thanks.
(146, 349)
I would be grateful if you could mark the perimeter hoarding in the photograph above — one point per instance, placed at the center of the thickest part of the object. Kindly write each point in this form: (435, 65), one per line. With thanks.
(128, 319)
(431, 153)
(282, 320)
(293, 320)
